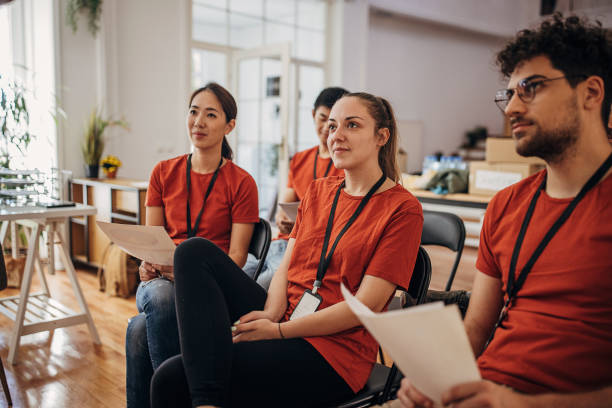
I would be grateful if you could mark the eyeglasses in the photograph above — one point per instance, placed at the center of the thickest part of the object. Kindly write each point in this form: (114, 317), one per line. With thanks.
(525, 89)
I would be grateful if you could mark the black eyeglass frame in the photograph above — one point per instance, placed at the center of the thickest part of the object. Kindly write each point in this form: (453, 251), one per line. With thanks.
(503, 96)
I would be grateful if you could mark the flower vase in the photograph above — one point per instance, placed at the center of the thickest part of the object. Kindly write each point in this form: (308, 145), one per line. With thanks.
(92, 171)
(111, 173)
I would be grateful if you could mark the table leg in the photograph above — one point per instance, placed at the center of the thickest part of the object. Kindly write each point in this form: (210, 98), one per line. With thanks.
(24, 294)
(65, 253)
(3, 230)
(14, 243)
(51, 247)
(41, 276)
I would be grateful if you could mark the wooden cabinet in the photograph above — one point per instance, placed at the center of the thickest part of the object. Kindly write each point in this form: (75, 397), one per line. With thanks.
(469, 207)
(117, 200)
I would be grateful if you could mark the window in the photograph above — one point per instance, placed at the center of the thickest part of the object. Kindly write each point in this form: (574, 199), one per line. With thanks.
(221, 27)
(27, 57)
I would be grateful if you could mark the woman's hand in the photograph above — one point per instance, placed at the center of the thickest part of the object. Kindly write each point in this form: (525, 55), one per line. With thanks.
(284, 224)
(256, 315)
(147, 271)
(260, 329)
(166, 271)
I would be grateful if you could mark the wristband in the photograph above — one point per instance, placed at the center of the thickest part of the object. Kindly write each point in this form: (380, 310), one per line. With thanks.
(280, 332)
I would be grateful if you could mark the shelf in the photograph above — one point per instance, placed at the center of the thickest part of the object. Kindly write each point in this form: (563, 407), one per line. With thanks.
(80, 221)
(80, 258)
(124, 217)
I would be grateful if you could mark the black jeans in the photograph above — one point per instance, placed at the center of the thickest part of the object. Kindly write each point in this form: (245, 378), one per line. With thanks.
(211, 293)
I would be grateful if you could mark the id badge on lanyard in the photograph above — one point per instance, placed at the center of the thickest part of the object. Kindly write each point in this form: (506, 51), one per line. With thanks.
(310, 300)
(308, 304)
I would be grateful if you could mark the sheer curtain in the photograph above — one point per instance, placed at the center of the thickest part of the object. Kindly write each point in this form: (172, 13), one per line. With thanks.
(27, 56)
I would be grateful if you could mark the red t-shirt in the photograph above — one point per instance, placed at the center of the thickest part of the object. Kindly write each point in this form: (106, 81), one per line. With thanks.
(558, 333)
(301, 170)
(233, 199)
(383, 241)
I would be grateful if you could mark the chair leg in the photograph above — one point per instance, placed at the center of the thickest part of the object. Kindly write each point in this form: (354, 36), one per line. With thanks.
(381, 355)
(5, 387)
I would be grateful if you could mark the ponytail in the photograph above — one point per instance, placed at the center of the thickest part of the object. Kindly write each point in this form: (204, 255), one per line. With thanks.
(226, 150)
(387, 155)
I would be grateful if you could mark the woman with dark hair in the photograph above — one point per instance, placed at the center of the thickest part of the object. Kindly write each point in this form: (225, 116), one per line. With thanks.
(299, 344)
(201, 194)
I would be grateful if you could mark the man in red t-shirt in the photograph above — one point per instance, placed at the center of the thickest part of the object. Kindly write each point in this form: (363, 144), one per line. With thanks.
(553, 343)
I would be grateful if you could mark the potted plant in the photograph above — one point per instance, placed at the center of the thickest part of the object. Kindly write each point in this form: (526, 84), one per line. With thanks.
(93, 9)
(93, 142)
(110, 164)
(14, 119)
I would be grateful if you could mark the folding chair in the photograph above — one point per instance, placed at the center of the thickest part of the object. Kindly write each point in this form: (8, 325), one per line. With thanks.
(447, 230)
(384, 381)
(260, 243)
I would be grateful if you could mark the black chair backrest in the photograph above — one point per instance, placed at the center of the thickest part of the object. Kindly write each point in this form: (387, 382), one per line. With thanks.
(421, 276)
(447, 230)
(260, 243)
(442, 228)
(3, 275)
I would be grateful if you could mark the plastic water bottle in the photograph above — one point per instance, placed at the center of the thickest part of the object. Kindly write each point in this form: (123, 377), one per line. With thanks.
(445, 163)
(458, 164)
(429, 163)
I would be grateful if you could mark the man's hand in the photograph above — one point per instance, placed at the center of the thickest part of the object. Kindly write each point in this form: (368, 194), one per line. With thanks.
(474, 394)
(147, 271)
(410, 397)
(284, 224)
(483, 394)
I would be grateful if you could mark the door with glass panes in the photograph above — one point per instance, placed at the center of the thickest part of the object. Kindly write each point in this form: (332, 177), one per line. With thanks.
(260, 84)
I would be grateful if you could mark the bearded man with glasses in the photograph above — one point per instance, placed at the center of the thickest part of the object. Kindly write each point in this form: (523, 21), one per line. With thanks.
(540, 315)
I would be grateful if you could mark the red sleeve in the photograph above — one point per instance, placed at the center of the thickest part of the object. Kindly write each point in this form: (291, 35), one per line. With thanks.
(290, 180)
(396, 251)
(485, 262)
(154, 192)
(245, 208)
(301, 210)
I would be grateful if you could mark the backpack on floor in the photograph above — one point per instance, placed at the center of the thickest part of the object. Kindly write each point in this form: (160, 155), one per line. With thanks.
(118, 273)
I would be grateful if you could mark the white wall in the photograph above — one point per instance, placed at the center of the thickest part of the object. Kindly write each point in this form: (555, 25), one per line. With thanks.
(76, 88)
(495, 17)
(440, 75)
(137, 67)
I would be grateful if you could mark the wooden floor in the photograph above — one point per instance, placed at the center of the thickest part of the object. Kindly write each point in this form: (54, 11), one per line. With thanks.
(65, 369)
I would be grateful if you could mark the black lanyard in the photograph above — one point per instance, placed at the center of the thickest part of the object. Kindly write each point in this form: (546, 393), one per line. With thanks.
(324, 262)
(191, 232)
(513, 285)
(314, 171)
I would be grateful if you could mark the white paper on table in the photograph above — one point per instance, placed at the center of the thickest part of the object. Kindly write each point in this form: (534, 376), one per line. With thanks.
(149, 243)
(427, 342)
(291, 209)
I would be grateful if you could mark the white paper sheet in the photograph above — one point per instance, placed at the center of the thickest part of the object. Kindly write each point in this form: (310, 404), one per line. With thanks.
(427, 342)
(149, 243)
(291, 209)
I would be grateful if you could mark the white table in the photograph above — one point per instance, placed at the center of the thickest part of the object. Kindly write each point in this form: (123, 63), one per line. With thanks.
(38, 312)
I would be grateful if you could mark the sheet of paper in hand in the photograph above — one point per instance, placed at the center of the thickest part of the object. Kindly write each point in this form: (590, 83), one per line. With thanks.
(427, 342)
(291, 209)
(149, 243)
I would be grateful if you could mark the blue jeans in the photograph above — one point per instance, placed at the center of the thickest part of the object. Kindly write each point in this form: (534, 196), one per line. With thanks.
(151, 338)
(271, 264)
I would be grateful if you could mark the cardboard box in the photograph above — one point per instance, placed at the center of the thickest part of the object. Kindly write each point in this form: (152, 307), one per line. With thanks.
(502, 150)
(488, 178)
